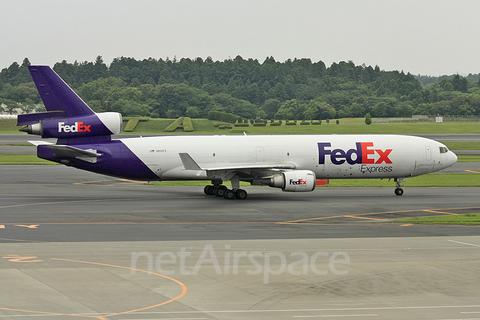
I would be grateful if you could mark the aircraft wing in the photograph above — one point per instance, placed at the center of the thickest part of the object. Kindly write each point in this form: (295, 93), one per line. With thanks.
(253, 166)
(243, 169)
(191, 164)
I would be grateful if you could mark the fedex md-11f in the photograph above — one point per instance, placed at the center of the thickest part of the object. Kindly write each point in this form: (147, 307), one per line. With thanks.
(289, 162)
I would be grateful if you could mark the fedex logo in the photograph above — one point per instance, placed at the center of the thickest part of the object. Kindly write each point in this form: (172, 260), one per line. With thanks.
(77, 127)
(298, 182)
(363, 154)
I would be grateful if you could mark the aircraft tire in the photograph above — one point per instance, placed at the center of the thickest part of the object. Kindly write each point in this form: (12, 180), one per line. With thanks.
(398, 191)
(229, 194)
(208, 190)
(219, 191)
(241, 194)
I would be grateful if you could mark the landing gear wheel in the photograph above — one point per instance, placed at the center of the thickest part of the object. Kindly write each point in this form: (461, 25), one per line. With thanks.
(399, 191)
(241, 194)
(219, 191)
(208, 190)
(229, 194)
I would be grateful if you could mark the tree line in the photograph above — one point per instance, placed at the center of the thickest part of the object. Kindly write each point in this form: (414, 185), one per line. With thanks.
(294, 89)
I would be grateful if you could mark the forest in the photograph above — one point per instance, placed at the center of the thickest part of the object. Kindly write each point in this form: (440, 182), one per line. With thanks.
(294, 89)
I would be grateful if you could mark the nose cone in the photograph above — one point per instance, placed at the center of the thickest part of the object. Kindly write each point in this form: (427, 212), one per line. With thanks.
(452, 158)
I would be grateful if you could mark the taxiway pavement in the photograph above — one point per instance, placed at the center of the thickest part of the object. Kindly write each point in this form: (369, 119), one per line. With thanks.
(78, 245)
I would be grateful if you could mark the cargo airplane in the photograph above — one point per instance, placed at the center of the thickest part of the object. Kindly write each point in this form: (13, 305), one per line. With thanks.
(289, 162)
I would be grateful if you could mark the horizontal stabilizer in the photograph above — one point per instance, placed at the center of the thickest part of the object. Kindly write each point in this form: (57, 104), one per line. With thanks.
(40, 143)
(72, 152)
(31, 118)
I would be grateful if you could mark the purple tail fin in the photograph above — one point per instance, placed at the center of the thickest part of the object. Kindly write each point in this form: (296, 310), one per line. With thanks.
(56, 94)
(67, 116)
(59, 99)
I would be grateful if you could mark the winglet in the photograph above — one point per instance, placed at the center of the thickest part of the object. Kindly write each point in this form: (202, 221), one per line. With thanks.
(188, 162)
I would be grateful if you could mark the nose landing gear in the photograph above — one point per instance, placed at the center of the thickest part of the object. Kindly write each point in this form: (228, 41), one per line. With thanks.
(399, 190)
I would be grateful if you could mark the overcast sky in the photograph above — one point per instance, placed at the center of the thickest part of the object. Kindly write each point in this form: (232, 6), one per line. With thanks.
(430, 37)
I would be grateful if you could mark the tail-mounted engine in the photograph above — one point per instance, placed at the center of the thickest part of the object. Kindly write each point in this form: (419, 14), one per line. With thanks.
(96, 124)
(292, 181)
(67, 116)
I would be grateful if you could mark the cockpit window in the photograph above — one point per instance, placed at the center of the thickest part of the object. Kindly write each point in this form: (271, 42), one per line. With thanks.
(443, 149)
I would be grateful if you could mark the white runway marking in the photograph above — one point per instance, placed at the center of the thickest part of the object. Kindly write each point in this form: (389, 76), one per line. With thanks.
(309, 310)
(339, 315)
(468, 244)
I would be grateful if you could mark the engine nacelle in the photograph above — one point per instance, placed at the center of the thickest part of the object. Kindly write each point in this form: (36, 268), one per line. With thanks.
(291, 181)
(98, 124)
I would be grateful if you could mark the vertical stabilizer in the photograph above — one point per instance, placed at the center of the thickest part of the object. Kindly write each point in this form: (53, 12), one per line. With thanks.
(56, 94)
(68, 116)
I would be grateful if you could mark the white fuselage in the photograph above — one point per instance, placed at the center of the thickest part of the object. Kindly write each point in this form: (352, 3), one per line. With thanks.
(328, 156)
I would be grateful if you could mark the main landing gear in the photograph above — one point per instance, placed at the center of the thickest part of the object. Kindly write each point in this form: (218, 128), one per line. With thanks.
(219, 190)
(399, 190)
(223, 192)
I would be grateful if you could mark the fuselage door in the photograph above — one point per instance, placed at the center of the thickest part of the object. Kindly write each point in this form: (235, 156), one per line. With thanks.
(428, 153)
(427, 164)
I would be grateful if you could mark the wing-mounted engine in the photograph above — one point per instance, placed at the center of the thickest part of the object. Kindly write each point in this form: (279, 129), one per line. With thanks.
(291, 181)
(96, 124)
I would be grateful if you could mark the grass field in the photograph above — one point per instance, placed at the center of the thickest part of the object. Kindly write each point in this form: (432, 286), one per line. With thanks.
(400, 128)
(153, 126)
(9, 126)
(454, 145)
(33, 159)
(429, 180)
(463, 219)
(462, 158)
(346, 126)
(9, 159)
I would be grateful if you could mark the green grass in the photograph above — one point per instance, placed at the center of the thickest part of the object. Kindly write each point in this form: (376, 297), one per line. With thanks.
(22, 159)
(332, 128)
(429, 180)
(463, 158)
(464, 219)
(9, 126)
(131, 124)
(346, 126)
(462, 145)
(193, 183)
(152, 126)
(32, 159)
(177, 124)
(204, 125)
(188, 125)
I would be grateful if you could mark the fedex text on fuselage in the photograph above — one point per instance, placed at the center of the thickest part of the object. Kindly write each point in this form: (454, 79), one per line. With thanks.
(364, 153)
